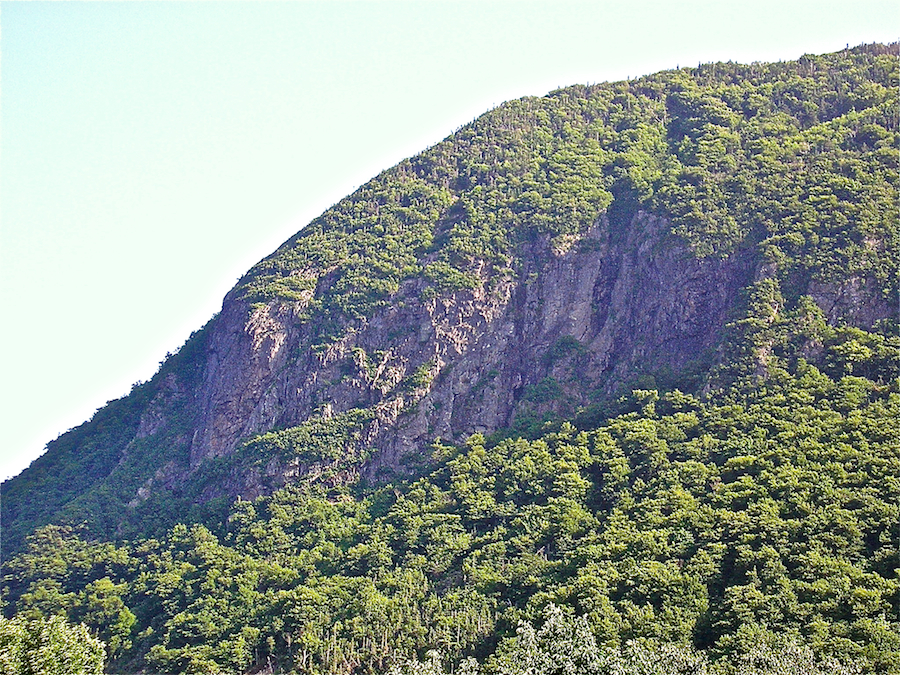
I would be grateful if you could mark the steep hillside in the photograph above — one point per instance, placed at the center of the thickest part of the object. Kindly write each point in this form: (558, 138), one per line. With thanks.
(536, 263)
(721, 240)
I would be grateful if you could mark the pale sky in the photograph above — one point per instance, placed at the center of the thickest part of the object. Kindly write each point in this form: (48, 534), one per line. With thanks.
(151, 152)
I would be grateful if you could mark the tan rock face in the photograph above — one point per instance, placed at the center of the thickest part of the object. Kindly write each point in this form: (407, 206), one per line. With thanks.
(548, 336)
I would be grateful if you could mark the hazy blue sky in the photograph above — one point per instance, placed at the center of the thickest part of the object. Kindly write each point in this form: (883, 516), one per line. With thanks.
(151, 152)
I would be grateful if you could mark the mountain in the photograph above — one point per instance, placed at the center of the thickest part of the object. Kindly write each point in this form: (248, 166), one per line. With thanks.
(656, 316)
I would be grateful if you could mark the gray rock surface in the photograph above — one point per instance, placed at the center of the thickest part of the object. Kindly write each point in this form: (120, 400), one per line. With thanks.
(575, 321)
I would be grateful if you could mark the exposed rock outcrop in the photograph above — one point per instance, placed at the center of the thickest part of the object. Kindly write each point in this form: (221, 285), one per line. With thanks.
(565, 327)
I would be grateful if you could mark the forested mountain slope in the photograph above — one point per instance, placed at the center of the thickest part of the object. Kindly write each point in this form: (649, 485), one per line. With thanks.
(630, 349)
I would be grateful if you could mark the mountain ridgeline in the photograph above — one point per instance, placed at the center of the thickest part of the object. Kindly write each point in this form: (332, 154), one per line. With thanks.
(625, 355)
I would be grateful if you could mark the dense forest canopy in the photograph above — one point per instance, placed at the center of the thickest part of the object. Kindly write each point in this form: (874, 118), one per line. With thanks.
(727, 519)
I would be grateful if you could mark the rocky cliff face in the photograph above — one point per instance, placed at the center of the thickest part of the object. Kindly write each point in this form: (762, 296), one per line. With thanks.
(572, 325)
(568, 326)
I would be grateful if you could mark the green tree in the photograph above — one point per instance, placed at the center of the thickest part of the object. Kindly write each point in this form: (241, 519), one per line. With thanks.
(48, 647)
